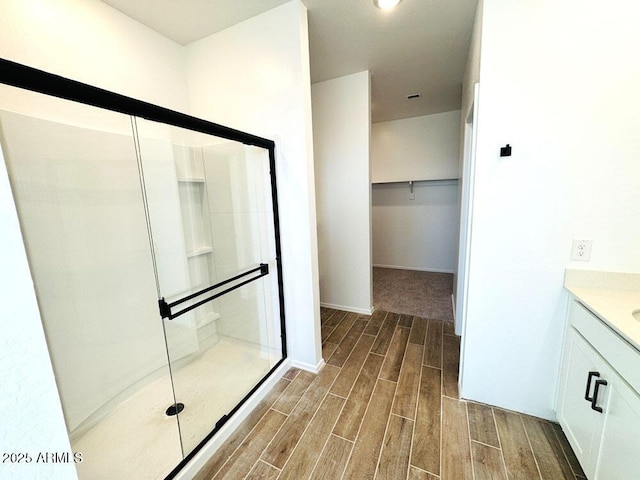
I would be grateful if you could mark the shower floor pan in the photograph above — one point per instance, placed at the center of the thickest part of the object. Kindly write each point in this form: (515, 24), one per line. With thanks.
(138, 440)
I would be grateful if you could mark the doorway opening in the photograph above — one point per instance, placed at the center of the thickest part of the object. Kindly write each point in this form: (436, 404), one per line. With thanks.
(415, 214)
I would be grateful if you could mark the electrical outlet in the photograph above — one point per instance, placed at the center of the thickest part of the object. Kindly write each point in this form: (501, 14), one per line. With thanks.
(581, 250)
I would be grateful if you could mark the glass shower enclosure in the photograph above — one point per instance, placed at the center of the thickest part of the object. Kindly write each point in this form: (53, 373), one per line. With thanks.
(153, 243)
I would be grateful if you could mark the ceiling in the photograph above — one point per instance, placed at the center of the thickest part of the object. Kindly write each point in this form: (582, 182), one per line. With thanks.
(419, 47)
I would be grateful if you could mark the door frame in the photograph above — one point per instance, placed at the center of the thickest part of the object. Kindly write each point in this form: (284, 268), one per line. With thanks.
(466, 222)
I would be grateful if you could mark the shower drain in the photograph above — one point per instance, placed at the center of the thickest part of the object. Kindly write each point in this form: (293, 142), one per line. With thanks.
(175, 409)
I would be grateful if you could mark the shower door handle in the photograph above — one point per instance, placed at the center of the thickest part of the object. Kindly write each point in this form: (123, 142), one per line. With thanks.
(165, 308)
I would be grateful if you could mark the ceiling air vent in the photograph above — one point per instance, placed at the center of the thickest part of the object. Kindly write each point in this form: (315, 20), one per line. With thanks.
(413, 96)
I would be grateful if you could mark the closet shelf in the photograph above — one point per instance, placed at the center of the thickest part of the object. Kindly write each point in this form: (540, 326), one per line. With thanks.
(428, 180)
(415, 181)
(199, 251)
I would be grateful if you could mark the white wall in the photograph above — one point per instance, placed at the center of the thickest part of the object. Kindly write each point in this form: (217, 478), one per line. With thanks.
(419, 148)
(255, 77)
(32, 419)
(87, 41)
(567, 102)
(74, 209)
(341, 137)
(417, 234)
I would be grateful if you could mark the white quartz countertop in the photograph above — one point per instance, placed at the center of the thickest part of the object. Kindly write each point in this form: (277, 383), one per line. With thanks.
(613, 297)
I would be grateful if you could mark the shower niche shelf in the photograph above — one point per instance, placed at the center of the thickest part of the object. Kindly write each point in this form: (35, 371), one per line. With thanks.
(194, 207)
(199, 251)
(191, 180)
(208, 319)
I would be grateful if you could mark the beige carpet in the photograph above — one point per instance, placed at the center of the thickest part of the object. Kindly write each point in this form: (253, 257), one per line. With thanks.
(422, 294)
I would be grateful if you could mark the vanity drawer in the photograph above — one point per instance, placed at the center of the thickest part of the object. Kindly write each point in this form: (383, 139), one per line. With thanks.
(624, 358)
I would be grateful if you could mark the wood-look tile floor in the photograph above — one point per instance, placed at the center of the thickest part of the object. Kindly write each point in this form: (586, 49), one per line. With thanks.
(386, 406)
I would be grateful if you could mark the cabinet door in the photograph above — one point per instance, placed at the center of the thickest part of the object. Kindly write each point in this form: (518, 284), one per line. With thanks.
(619, 450)
(577, 418)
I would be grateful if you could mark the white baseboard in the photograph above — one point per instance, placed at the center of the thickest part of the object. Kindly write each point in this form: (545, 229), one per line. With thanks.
(308, 366)
(346, 308)
(400, 267)
(201, 458)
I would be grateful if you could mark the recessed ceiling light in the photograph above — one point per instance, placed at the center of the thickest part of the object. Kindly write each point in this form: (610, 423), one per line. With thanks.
(386, 4)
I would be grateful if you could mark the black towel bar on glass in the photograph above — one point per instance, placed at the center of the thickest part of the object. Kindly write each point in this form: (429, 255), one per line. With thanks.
(165, 308)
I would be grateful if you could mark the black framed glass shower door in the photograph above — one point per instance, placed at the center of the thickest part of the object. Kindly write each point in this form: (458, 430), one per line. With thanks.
(124, 204)
(211, 223)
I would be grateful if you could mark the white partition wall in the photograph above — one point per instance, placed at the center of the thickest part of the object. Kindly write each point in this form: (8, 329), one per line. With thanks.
(341, 133)
(255, 76)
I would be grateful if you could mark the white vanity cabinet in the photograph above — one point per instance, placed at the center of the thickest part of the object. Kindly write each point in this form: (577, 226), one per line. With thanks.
(597, 408)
